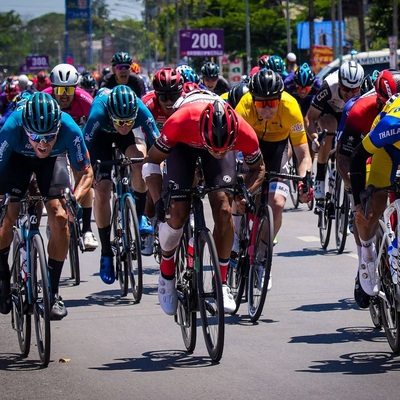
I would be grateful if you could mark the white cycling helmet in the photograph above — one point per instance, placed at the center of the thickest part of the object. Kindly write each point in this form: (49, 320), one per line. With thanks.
(351, 74)
(64, 75)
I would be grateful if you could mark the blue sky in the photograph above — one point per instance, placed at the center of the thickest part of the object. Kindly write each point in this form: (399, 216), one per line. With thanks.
(29, 9)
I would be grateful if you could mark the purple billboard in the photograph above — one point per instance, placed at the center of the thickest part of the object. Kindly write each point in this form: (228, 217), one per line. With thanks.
(201, 42)
(37, 63)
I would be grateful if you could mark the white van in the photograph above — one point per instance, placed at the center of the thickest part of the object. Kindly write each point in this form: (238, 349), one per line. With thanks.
(370, 61)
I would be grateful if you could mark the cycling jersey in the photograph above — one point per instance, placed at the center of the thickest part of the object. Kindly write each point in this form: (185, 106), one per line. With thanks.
(287, 121)
(134, 82)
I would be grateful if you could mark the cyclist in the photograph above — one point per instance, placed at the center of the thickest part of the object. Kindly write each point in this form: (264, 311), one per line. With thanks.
(89, 84)
(276, 117)
(291, 62)
(34, 134)
(212, 80)
(7, 96)
(382, 143)
(118, 116)
(356, 127)
(325, 112)
(41, 81)
(212, 131)
(25, 84)
(76, 102)
(121, 74)
(276, 63)
(235, 93)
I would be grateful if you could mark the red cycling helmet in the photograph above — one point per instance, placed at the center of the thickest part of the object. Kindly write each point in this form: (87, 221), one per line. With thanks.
(190, 87)
(167, 80)
(387, 84)
(219, 127)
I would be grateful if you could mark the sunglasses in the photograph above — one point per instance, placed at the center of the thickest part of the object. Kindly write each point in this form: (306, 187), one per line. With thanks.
(123, 122)
(164, 97)
(213, 79)
(45, 138)
(304, 88)
(266, 103)
(348, 90)
(60, 90)
(122, 67)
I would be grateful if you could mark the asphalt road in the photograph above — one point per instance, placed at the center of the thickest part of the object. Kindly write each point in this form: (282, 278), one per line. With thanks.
(312, 342)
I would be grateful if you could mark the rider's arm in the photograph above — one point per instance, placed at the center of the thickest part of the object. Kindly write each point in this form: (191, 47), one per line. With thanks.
(83, 183)
(304, 159)
(151, 172)
(255, 175)
(310, 122)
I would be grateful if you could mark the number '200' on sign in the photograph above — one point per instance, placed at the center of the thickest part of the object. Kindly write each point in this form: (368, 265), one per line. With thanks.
(201, 42)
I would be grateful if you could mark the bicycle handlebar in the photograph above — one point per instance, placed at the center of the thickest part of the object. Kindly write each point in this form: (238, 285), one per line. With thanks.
(123, 161)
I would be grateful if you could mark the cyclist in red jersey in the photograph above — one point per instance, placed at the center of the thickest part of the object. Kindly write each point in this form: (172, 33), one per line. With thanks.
(41, 81)
(209, 128)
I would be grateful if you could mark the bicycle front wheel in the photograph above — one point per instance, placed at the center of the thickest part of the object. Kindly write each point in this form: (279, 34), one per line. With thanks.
(210, 299)
(41, 298)
(293, 189)
(21, 319)
(73, 253)
(133, 259)
(342, 208)
(260, 268)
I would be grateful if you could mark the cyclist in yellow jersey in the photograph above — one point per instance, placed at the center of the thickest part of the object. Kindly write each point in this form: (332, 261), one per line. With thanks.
(276, 118)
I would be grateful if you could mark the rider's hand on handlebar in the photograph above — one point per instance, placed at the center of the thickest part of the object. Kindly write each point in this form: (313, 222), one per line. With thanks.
(305, 195)
(240, 204)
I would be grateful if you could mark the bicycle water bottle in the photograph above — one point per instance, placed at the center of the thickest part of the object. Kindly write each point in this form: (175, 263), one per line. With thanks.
(23, 263)
(190, 252)
(393, 253)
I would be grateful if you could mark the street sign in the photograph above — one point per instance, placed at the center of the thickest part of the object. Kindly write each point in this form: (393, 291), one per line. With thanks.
(37, 63)
(201, 42)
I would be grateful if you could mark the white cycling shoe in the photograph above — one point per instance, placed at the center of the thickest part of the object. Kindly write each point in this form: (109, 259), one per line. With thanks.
(167, 295)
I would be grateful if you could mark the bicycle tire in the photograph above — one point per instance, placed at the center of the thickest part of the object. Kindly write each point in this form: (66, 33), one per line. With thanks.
(260, 268)
(293, 187)
(73, 253)
(21, 319)
(375, 312)
(342, 209)
(133, 258)
(389, 305)
(116, 243)
(41, 296)
(209, 287)
(186, 315)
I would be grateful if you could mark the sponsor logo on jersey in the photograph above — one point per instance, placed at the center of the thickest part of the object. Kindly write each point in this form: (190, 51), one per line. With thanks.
(297, 127)
(389, 133)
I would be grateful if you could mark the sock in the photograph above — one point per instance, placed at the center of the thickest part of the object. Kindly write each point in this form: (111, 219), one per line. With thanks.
(140, 199)
(104, 235)
(86, 219)
(368, 250)
(55, 268)
(320, 176)
(167, 267)
(4, 268)
(223, 265)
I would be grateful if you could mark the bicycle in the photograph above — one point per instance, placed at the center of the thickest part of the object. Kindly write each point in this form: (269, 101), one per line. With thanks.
(199, 286)
(251, 267)
(125, 237)
(30, 285)
(385, 307)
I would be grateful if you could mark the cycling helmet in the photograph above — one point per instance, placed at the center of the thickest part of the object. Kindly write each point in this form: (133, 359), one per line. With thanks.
(183, 67)
(266, 84)
(218, 126)
(304, 76)
(366, 84)
(387, 84)
(167, 80)
(42, 114)
(135, 68)
(262, 61)
(210, 70)
(88, 82)
(64, 75)
(351, 74)
(105, 71)
(189, 75)
(190, 87)
(236, 93)
(41, 76)
(374, 75)
(122, 103)
(291, 57)
(276, 63)
(121, 58)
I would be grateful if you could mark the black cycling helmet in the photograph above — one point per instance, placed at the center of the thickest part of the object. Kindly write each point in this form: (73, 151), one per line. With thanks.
(122, 103)
(219, 126)
(121, 58)
(236, 93)
(210, 70)
(105, 71)
(366, 84)
(88, 82)
(266, 84)
(304, 76)
(42, 114)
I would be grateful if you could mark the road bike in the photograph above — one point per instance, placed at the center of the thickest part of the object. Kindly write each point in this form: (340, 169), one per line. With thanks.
(250, 269)
(199, 282)
(125, 236)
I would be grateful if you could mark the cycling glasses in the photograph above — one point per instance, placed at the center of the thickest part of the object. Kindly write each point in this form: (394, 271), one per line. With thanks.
(123, 122)
(60, 90)
(122, 67)
(266, 103)
(212, 79)
(348, 90)
(45, 138)
(164, 97)
(304, 88)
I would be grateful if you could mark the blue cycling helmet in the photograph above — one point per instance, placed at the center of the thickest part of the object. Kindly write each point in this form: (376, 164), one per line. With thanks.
(210, 70)
(189, 75)
(304, 76)
(122, 103)
(42, 114)
(276, 63)
(375, 75)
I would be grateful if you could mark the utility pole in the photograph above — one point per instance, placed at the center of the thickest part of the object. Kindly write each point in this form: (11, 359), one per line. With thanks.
(248, 49)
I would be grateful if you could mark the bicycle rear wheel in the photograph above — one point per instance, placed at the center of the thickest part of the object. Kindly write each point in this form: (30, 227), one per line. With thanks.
(133, 258)
(210, 299)
(260, 268)
(41, 296)
(325, 216)
(21, 319)
(185, 283)
(293, 189)
(342, 209)
(73, 253)
(389, 305)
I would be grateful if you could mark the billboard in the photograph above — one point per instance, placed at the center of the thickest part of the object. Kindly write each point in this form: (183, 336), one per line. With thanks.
(37, 63)
(322, 34)
(201, 42)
